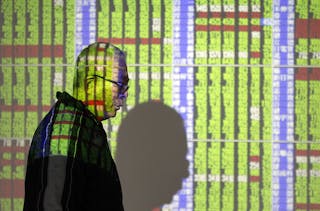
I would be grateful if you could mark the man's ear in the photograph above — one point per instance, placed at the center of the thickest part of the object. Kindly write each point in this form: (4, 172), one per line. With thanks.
(86, 91)
(87, 87)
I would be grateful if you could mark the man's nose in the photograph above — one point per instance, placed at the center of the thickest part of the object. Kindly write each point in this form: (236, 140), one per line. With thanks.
(123, 95)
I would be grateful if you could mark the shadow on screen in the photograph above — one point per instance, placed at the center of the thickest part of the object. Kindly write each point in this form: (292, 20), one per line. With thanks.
(151, 156)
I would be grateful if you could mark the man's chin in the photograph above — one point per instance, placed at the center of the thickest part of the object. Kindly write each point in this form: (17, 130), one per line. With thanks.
(111, 114)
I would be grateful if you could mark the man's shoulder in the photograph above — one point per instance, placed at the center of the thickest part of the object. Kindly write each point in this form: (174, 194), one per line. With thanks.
(67, 112)
(67, 99)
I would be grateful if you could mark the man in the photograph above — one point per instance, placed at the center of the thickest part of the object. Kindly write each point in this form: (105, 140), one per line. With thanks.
(70, 165)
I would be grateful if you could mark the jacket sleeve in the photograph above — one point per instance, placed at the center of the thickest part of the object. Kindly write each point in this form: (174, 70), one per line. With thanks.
(56, 173)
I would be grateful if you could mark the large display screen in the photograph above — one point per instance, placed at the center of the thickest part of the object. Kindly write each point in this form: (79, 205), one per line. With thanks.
(244, 75)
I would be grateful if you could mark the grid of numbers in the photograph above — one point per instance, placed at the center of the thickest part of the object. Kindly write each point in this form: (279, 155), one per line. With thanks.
(244, 76)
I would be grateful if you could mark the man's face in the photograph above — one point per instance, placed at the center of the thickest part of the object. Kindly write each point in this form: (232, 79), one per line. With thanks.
(106, 96)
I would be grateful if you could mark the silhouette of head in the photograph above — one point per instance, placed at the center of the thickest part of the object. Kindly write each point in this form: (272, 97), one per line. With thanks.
(151, 156)
(101, 79)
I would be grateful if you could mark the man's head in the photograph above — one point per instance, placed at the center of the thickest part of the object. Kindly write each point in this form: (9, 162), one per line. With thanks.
(101, 79)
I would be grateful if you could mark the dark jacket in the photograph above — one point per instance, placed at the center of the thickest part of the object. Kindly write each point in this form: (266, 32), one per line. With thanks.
(69, 164)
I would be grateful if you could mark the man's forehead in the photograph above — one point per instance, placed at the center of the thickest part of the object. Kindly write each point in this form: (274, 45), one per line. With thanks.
(95, 58)
(104, 60)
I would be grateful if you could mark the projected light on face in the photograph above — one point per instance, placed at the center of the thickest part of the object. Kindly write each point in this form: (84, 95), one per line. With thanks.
(101, 80)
